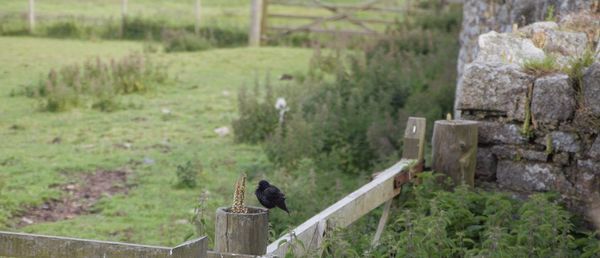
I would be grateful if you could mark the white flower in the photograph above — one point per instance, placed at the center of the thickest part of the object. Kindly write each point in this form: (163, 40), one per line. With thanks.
(280, 104)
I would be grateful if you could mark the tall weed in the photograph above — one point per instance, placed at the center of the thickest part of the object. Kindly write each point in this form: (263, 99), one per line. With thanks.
(96, 83)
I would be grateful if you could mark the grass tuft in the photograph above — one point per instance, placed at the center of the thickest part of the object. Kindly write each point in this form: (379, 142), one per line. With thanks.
(541, 67)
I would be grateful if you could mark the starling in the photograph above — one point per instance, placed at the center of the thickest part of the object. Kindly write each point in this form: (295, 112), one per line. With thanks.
(270, 196)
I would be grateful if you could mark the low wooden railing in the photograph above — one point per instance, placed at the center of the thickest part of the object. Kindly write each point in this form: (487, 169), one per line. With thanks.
(30, 245)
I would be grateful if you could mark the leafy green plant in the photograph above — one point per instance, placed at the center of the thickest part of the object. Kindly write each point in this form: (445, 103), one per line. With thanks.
(258, 117)
(186, 175)
(576, 67)
(475, 223)
(550, 15)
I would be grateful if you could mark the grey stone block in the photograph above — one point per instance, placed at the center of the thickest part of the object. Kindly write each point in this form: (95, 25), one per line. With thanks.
(561, 158)
(494, 87)
(518, 153)
(588, 177)
(594, 152)
(506, 48)
(492, 132)
(562, 141)
(486, 165)
(529, 177)
(591, 88)
(553, 99)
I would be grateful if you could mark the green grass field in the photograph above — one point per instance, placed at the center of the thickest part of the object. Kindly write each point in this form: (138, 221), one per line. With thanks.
(200, 95)
(227, 14)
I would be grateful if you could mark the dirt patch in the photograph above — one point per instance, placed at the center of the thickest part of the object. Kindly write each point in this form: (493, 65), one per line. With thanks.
(79, 197)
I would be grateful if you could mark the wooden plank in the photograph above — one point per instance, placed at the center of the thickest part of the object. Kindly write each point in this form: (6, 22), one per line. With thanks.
(343, 212)
(255, 23)
(414, 148)
(287, 30)
(313, 5)
(31, 16)
(214, 254)
(30, 245)
(382, 222)
(414, 139)
(197, 16)
(314, 17)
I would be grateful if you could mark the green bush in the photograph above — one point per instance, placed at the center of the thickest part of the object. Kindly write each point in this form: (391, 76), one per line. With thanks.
(432, 222)
(223, 36)
(65, 29)
(140, 28)
(356, 122)
(186, 175)
(178, 41)
(96, 82)
(258, 117)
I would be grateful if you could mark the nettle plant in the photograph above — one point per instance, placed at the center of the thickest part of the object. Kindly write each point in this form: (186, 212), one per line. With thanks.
(475, 223)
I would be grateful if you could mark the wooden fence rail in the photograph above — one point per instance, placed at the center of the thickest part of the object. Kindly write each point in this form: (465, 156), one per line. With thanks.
(341, 214)
(30, 245)
(382, 189)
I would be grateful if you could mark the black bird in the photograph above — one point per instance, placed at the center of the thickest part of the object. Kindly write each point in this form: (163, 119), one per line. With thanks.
(270, 196)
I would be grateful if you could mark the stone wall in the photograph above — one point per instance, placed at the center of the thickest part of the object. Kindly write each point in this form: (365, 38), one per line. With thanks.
(539, 128)
(482, 16)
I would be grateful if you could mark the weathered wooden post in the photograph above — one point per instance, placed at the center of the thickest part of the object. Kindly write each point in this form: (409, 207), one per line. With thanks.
(256, 14)
(241, 229)
(413, 148)
(123, 16)
(197, 14)
(242, 233)
(31, 16)
(454, 146)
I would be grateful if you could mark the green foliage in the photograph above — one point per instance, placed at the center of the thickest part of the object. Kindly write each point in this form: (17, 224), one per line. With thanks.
(356, 121)
(309, 191)
(550, 13)
(96, 82)
(577, 66)
(258, 117)
(64, 29)
(142, 28)
(221, 36)
(178, 41)
(475, 223)
(540, 67)
(186, 174)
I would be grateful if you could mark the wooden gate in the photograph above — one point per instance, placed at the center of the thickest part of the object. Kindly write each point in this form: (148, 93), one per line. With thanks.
(279, 18)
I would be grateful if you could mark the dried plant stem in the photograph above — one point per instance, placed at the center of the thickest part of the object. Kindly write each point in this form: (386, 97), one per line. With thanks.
(238, 196)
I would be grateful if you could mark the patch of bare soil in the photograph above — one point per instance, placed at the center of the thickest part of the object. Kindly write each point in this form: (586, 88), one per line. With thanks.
(79, 197)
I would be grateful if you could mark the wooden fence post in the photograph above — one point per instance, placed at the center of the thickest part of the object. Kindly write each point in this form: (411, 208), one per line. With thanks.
(455, 150)
(255, 23)
(123, 16)
(413, 148)
(31, 16)
(197, 14)
(242, 233)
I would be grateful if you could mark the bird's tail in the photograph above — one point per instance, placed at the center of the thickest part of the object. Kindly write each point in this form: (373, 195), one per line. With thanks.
(284, 207)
